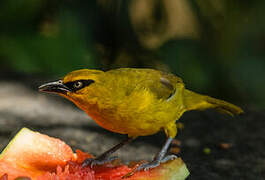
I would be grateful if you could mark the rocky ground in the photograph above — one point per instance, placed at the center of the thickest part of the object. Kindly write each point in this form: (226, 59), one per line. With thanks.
(213, 146)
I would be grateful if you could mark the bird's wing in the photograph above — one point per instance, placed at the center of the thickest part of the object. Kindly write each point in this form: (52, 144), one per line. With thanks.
(161, 84)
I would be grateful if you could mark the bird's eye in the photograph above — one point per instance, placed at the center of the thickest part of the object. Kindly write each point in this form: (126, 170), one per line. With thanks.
(78, 85)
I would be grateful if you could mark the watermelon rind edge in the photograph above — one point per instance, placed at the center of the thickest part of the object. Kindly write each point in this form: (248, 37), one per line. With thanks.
(20, 132)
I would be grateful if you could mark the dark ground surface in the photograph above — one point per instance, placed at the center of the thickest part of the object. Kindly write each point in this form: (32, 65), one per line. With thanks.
(22, 106)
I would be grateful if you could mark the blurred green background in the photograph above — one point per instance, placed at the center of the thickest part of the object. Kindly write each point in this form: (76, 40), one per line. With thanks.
(217, 47)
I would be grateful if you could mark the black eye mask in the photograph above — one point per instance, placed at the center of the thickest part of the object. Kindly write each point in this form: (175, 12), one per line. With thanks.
(72, 85)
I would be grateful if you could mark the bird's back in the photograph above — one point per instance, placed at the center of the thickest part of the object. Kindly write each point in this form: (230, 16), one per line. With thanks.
(161, 84)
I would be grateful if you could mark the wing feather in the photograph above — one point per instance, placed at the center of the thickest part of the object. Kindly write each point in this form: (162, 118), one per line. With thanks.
(161, 84)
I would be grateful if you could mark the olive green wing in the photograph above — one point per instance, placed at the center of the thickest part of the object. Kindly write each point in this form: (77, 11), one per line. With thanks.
(163, 85)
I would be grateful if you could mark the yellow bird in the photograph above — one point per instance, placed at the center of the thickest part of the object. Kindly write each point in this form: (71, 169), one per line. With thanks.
(135, 102)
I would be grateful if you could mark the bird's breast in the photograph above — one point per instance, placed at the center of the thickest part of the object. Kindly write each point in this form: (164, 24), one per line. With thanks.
(133, 123)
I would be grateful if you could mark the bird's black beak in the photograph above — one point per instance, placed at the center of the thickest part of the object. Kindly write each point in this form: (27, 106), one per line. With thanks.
(54, 87)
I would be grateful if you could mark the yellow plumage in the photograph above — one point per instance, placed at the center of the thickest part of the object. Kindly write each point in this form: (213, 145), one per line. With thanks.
(138, 102)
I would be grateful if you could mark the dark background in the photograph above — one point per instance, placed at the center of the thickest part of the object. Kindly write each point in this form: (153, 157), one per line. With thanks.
(217, 47)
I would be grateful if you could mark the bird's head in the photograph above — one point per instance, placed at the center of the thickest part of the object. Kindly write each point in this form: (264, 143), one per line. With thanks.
(83, 87)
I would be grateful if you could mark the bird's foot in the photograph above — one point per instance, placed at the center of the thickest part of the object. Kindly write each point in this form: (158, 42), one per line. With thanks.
(97, 161)
(169, 158)
(150, 165)
(155, 163)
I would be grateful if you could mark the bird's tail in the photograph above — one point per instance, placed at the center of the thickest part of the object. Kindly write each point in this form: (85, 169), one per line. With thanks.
(194, 101)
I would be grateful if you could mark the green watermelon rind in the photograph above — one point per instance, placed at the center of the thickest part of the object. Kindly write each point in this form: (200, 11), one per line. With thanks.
(173, 170)
(183, 173)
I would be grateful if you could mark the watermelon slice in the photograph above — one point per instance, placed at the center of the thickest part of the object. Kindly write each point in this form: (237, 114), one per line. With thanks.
(40, 157)
(31, 153)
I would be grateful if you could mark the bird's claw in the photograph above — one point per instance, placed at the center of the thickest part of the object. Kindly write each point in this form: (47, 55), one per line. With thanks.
(168, 158)
(150, 165)
(155, 163)
(93, 162)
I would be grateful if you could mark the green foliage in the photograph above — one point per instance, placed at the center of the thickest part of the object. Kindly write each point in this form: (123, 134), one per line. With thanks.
(14, 12)
(56, 49)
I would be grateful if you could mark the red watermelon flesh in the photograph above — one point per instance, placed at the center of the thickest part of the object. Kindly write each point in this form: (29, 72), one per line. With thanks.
(37, 156)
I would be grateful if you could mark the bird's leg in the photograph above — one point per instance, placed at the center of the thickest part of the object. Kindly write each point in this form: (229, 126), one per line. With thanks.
(104, 158)
(159, 158)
